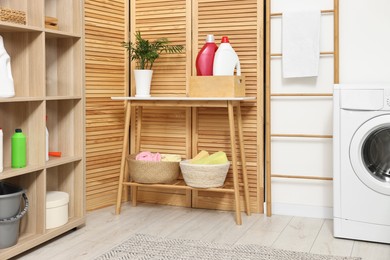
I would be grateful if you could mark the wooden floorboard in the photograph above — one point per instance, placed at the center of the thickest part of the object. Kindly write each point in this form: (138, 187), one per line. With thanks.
(104, 230)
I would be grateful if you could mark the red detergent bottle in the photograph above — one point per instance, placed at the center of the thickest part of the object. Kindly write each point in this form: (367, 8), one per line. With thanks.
(205, 58)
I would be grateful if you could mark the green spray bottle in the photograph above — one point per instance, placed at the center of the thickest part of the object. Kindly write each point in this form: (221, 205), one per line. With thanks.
(18, 149)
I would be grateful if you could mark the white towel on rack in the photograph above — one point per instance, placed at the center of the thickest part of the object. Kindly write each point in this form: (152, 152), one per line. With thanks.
(301, 43)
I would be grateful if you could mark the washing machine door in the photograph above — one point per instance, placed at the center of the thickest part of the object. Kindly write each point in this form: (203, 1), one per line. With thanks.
(370, 153)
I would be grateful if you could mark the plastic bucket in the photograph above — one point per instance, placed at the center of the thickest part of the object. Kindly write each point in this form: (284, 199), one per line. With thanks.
(10, 200)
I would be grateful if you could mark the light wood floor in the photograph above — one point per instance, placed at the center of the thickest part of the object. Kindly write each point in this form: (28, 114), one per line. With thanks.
(104, 230)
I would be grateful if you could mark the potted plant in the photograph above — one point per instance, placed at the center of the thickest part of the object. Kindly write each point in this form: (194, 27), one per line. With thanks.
(144, 53)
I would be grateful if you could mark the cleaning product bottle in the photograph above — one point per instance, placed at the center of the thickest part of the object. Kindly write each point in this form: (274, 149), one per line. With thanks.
(7, 82)
(47, 143)
(1, 150)
(205, 58)
(18, 149)
(226, 59)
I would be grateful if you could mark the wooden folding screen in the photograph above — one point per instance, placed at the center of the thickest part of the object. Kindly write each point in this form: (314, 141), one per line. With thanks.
(165, 130)
(242, 22)
(180, 130)
(106, 73)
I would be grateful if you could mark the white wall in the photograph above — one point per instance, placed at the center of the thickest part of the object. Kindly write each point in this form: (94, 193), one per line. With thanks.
(364, 41)
(364, 58)
(302, 115)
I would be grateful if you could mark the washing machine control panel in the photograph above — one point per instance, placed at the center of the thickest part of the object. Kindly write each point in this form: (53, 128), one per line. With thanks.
(387, 99)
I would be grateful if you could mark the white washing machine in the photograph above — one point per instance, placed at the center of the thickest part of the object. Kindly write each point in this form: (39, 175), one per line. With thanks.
(361, 147)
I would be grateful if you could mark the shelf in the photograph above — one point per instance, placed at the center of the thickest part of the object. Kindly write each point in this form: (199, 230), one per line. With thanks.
(179, 185)
(52, 34)
(64, 98)
(54, 161)
(27, 241)
(16, 249)
(20, 99)
(11, 172)
(15, 27)
(72, 223)
(48, 72)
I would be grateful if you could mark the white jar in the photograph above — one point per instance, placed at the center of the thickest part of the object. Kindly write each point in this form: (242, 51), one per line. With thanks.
(56, 208)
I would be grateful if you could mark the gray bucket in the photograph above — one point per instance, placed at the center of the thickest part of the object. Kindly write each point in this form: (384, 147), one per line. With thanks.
(10, 200)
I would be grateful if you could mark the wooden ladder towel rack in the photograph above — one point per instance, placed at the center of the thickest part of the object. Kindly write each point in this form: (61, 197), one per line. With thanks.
(268, 135)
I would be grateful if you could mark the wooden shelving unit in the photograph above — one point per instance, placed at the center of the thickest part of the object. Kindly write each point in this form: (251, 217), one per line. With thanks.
(48, 71)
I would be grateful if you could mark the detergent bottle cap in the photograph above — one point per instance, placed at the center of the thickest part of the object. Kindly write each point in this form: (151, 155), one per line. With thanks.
(210, 38)
(225, 39)
(18, 130)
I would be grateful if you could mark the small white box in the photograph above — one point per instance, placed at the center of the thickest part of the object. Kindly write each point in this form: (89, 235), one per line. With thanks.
(56, 208)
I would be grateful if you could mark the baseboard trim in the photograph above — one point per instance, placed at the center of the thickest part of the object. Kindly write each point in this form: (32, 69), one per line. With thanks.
(301, 210)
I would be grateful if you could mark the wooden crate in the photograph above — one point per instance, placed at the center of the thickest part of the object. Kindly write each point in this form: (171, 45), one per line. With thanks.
(12, 16)
(217, 86)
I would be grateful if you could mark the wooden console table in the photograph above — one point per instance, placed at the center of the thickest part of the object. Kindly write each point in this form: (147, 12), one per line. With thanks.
(229, 103)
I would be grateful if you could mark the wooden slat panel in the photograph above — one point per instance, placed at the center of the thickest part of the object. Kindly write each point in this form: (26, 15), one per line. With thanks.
(242, 22)
(106, 26)
(166, 130)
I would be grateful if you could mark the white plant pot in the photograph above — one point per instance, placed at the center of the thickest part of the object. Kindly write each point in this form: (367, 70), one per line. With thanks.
(143, 79)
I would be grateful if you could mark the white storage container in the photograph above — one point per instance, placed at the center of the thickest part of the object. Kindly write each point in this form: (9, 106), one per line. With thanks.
(56, 208)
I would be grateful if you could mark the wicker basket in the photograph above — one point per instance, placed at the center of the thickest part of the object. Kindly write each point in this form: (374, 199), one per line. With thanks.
(152, 172)
(204, 175)
(12, 16)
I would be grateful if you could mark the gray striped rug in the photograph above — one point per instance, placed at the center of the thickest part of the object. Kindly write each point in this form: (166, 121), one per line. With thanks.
(144, 247)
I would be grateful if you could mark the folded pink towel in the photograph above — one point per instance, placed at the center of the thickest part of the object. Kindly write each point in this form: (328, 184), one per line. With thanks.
(148, 156)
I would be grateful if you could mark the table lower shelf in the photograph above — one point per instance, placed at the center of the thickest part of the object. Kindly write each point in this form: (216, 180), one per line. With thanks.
(180, 184)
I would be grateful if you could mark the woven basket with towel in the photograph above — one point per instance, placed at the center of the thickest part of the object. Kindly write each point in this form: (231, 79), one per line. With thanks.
(152, 171)
(204, 175)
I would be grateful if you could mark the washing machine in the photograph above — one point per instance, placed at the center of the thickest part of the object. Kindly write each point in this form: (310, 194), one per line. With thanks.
(361, 162)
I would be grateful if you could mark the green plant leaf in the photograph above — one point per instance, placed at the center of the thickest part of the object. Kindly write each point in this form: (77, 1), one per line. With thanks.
(144, 52)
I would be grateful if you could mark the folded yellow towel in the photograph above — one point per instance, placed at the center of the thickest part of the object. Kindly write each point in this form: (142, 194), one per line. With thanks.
(200, 155)
(170, 157)
(215, 158)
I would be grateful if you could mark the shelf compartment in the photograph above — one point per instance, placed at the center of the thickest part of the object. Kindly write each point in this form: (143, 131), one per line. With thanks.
(9, 252)
(64, 67)
(65, 127)
(33, 184)
(68, 178)
(26, 50)
(68, 13)
(33, 10)
(29, 116)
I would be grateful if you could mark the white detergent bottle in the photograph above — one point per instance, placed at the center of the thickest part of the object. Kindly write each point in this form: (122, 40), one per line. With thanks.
(226, 60)
(1, 150)
(6, 80)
